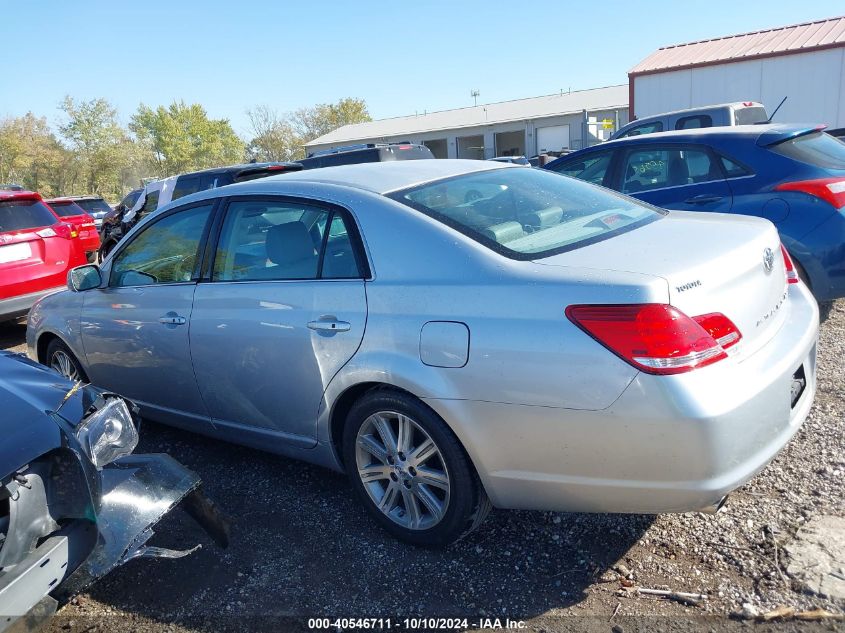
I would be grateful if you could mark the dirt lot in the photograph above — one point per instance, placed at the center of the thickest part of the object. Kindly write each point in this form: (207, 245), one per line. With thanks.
(302, 548)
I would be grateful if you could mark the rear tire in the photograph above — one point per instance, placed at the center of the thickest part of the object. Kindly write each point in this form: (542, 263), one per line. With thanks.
(410, 471)
(60, 359)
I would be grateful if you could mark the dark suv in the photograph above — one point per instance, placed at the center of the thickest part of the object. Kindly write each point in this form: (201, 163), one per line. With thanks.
(365, 153)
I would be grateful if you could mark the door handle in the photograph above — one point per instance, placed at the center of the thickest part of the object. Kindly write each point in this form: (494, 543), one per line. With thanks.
(173, 320)
(702, 199)
(329, 325)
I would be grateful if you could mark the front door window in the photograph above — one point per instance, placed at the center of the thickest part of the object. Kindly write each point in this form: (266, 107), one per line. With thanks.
(165, 252)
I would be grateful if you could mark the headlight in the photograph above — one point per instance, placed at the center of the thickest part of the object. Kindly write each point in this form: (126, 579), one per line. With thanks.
(108, 433)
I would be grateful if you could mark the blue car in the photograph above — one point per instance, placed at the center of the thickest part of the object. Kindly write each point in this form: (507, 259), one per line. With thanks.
(790, 174)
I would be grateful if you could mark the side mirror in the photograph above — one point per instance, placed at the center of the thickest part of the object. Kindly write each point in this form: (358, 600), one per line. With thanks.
(84, 278)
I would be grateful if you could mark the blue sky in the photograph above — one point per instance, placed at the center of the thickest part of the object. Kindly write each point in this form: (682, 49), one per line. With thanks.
(400, 57)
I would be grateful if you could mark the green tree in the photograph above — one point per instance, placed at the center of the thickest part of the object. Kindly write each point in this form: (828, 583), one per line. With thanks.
(30, 154)
(273, 137)
(309, 123)
(99, 142)
(181, 138)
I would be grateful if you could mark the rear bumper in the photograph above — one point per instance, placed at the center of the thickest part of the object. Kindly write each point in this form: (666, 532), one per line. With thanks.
(668, 443)
(15, 307)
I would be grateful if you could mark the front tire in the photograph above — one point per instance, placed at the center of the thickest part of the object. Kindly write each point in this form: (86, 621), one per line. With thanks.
(60, 359)
(410, 471)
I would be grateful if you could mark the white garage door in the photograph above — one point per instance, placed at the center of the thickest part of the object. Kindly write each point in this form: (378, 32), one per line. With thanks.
(552, 138)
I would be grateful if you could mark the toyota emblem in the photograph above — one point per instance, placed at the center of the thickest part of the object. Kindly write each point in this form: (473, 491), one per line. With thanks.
(768, 260)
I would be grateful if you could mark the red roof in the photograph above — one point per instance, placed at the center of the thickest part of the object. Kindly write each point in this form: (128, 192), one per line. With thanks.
(797, 38)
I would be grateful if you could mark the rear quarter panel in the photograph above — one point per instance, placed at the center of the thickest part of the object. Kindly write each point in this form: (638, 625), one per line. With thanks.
(522, 348)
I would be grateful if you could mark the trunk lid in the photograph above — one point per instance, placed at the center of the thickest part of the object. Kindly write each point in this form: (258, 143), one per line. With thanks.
(711, 263)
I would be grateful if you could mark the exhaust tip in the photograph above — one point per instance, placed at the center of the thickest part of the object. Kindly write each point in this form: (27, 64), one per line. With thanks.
(714, 508)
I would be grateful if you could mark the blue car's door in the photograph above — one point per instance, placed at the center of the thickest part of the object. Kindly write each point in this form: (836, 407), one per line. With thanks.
(283, 310)
(682, 177)
(135, 331)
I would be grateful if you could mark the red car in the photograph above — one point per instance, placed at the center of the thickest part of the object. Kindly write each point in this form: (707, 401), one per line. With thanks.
(67, 210)
(36, 252)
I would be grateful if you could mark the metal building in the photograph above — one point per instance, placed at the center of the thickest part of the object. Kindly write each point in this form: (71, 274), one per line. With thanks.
(524, 127)
(803, 62)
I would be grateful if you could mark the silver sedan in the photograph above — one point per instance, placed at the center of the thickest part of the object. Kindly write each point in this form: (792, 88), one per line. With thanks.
(455, 335)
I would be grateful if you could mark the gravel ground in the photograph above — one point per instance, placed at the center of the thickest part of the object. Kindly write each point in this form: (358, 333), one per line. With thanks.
(301, 547)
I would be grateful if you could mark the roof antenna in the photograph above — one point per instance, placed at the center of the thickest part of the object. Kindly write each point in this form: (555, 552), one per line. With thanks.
(772, 116)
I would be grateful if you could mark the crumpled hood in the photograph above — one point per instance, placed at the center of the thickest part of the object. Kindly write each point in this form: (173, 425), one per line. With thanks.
(28, 392)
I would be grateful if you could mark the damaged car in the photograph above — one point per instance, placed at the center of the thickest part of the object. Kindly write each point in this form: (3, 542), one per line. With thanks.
(75, 503)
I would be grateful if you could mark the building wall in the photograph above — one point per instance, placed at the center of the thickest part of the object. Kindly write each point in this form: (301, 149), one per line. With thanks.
(814, 83)
(580, 133)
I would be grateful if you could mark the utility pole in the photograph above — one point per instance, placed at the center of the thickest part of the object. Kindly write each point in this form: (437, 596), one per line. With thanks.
(474, 94)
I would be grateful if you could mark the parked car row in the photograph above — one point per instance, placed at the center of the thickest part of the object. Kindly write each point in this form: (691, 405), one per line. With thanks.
(791, 175)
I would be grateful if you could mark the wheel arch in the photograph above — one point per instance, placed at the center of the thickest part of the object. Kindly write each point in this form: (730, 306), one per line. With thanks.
(42, 342)
(345, 401)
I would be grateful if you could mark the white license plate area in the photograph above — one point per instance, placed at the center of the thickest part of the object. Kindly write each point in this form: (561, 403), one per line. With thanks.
(15, 252)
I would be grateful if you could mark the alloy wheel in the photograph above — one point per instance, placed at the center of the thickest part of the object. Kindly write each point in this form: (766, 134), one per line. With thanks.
(402, 470)
(62, 363)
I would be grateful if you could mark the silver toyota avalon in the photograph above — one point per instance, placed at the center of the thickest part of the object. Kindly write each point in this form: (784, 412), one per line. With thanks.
(455, 335)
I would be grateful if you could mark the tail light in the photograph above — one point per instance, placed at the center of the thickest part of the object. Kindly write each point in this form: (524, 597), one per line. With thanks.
(791, 273)
(657, 338)
(61, 229)
(830, 190)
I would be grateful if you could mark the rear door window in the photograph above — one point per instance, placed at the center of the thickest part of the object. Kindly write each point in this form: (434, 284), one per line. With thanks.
(694, 121)
(20, 215)
(658, 168)
(266, 240)
(734, 169)
(185, 185)
(592, 168)
(819, 149)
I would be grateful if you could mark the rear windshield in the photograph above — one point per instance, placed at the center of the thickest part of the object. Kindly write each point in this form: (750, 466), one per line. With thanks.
(94, 206)
(18, 215)
(527, 213)
(750, 116)
(66, 209)
(819, 149)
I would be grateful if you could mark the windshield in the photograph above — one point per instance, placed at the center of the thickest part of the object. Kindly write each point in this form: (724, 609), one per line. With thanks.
(94, 206)
(67, 209)
(527, 213)
(19, 215)
(751, 115)
(819, 149)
